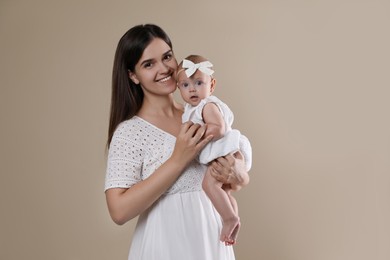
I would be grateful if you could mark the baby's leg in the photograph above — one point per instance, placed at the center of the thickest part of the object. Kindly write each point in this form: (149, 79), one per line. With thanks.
(233, 237)
(223, 204)
(233, 201)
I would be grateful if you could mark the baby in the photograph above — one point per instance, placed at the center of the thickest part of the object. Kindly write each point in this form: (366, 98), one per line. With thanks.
(196, 84)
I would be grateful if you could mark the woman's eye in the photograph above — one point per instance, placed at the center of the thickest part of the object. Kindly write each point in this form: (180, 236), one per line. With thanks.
(168, 57)
(148, 65)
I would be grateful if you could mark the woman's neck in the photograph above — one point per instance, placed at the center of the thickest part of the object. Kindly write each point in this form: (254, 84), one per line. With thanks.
(159, 107)
(163, 113)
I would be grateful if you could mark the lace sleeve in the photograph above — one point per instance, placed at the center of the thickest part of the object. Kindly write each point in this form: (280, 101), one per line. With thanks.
(125, 159)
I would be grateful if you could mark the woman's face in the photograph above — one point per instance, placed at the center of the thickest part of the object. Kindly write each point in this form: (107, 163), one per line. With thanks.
(155, 69)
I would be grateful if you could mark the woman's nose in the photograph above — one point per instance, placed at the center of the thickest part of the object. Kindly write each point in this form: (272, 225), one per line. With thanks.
(163, 67)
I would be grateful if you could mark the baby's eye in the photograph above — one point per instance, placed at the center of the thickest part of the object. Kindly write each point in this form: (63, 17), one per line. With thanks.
(184, 85)
(198, 83)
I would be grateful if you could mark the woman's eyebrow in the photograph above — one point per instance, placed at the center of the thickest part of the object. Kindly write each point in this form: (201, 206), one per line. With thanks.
(151, 60)
(169, 52)
(146, 61)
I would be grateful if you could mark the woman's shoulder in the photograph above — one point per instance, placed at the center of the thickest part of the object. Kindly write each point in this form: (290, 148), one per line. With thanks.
(128, 123)
(127, 128)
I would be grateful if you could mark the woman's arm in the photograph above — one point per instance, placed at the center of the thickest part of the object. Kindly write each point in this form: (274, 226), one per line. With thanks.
(125, 204)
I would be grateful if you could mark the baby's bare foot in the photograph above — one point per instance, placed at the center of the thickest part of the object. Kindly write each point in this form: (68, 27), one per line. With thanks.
(230, 230)
(233, 236)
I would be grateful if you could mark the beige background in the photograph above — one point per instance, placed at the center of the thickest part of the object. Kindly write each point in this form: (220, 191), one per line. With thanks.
(308, 82)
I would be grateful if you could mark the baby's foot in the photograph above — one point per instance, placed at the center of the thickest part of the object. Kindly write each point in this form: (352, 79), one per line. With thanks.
(233, 237)
(230, 230)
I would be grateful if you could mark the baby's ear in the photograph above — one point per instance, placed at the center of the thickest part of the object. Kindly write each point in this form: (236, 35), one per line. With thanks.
(133, 77)
(213, 84)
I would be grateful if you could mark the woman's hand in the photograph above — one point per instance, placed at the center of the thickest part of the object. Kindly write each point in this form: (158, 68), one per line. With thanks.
(189, 142)
(230, 170)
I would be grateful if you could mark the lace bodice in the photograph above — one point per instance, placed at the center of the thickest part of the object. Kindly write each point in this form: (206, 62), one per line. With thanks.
(137, 149)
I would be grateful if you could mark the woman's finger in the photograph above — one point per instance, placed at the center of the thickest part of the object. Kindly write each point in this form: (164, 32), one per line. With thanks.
(217, 175)
(221, 173)
(226, 161)
(185, 126)
(194, 131)
(238, 155)
(199, 131)
(216, 166)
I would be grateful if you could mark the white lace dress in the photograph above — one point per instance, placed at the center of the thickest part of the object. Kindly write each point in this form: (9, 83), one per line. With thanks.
(182, 224)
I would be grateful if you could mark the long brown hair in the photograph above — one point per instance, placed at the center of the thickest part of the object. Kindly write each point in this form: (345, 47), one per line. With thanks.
(127, 97)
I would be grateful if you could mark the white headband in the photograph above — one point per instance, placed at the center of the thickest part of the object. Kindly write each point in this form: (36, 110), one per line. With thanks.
(192, 67)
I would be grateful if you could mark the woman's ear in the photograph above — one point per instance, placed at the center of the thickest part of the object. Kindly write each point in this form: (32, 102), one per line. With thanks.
(133, 77)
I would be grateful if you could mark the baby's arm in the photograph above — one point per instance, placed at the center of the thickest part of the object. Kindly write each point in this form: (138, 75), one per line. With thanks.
(212, 116)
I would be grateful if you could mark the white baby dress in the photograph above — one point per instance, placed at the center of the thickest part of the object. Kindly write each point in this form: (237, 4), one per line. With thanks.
(231, 141)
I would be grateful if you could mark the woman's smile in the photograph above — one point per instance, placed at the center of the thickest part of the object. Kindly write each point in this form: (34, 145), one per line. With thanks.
(165, 79)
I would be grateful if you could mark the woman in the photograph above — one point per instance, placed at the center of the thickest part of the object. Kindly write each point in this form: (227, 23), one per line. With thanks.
(151, 171)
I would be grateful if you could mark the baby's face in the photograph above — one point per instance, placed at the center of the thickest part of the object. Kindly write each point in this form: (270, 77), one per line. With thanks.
(194, 88)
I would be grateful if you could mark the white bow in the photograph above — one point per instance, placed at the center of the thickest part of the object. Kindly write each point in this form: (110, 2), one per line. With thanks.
(202, 66)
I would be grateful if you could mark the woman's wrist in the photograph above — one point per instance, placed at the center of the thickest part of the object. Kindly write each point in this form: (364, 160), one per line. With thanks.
(176, 164)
